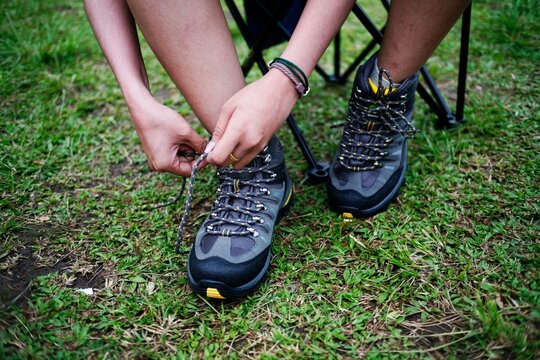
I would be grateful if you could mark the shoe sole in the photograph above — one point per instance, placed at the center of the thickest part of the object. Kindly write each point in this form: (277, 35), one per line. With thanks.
(218, 290)
(349, 212)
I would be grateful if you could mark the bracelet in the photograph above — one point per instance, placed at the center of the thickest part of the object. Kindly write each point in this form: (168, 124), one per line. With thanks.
(297, 84)
(293, 72)
(293, 67)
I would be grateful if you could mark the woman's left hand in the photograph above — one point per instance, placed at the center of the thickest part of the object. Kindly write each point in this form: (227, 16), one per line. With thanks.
(250, 118)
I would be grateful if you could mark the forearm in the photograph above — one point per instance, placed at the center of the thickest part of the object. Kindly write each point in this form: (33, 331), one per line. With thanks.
(320, 21)
(116, 33)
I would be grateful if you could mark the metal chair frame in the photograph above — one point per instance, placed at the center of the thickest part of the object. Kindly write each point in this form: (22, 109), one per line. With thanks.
(318, 171)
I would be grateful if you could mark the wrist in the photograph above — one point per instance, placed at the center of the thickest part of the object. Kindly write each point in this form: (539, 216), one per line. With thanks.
(138, 98)
(283, 85)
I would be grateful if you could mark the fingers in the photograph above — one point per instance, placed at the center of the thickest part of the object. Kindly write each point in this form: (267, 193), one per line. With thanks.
(223, 137)
(246, 158)
(224, 117)
(246, 151)
(176, 166)
(220, 154)
(194, 141)
(236, 134)
(180, 168)
(240, 142)
(179, 163)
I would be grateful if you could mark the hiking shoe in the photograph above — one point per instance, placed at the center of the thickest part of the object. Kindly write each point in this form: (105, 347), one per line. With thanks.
(231, 252)
(369, 167)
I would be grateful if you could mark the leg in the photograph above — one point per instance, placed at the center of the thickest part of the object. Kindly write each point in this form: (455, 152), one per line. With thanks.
(369, 168)
(414, 30)
(192, 41)
(231, 251)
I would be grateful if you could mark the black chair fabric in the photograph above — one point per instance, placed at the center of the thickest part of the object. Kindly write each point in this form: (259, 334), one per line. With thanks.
(257, 13)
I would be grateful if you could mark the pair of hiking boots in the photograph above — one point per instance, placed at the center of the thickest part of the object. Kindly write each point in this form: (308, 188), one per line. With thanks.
(231, 253)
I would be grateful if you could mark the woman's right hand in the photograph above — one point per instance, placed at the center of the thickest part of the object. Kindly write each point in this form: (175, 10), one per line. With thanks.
(164, 133)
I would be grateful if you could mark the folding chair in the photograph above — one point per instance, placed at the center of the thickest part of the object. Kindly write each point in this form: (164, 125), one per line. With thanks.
(271, 22)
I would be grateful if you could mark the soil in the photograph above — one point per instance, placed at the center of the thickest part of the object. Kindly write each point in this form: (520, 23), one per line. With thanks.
(22, 265)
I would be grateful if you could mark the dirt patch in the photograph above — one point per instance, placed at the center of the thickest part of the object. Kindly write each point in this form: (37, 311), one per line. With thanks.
(433, 332)
(128, 165)
(21, 265)
(59, 188)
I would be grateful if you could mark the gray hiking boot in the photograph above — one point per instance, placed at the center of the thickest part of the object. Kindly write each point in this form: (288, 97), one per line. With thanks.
(231, 252)
(369, 167)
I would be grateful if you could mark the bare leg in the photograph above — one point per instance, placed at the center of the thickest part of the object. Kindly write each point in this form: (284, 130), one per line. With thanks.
(414, 30)
(192, 41)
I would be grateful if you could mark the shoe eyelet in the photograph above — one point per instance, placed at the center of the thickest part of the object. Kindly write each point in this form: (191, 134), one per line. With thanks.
(259, 219)
(253, 231)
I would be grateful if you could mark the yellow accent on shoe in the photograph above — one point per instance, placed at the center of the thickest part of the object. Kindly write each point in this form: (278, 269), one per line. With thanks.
(289, 197)
(375, 88)
(347, 216)
(213, 293)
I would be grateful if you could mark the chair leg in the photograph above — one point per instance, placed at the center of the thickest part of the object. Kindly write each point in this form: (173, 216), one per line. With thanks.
(463, 62)
(335, 78)
(445, 117)
(352, 67)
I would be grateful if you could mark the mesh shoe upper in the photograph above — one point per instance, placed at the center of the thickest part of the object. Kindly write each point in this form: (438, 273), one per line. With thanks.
(373, 150)
(235, 238)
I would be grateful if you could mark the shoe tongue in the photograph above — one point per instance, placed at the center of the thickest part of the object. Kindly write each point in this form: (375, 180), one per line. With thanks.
(241, 175)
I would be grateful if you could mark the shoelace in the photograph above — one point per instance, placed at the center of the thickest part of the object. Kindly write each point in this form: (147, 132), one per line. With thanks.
(189, 198)
(236, 196)
(224, 193)
(380, 119)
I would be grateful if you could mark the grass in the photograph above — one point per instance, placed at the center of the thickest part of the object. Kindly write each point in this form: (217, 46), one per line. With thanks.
(451, 270)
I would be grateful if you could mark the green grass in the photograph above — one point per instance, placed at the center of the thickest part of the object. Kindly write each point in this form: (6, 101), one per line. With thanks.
(451, 270)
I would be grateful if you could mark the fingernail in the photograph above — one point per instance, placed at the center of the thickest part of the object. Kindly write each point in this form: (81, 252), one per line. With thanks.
(210, 146)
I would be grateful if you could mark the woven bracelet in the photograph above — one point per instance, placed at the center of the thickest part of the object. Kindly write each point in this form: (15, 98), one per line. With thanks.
(294, 68)
(293, 72)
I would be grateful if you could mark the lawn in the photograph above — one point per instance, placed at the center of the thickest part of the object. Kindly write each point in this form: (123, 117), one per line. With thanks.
(451, 270)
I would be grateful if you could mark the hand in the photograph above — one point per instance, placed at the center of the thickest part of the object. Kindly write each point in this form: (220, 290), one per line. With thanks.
(250, 118)
(163, 133)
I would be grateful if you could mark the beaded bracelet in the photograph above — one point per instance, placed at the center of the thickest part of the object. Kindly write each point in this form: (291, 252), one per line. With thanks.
(293, 72)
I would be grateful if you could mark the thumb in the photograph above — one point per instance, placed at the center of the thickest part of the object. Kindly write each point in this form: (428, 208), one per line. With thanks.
(194, 141)
(223, 121)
